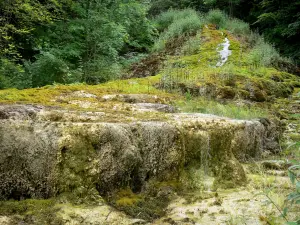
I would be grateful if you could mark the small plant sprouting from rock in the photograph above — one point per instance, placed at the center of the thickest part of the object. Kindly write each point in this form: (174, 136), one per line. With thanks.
(292, 200)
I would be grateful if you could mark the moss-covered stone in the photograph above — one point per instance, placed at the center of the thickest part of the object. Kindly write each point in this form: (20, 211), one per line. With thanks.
(149, 204)
(89, 160)
(31, 211)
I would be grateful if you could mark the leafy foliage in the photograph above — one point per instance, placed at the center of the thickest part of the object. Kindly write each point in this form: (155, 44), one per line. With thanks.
(47, 69)
(159, 6)
(19, 19)
(81, 40)
(292, 199)
(294, 175)
(13, 75)
(280, 22)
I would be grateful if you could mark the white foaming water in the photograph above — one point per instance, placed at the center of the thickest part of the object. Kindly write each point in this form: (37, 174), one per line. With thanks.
(224, 53)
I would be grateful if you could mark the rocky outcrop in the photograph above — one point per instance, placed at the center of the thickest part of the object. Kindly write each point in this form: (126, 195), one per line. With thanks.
(43, 156)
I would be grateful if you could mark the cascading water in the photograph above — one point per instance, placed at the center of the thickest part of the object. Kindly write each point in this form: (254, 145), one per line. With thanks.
(224, 52)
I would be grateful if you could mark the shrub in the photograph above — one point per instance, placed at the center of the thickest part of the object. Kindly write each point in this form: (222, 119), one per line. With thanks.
(263, 54)
(192, 45)
(253, 38)
(74, 76)
(237, 27)
(164, 20)
(13, 75)
(160, 6)
(217, 17)
(101, 70)
(47, 69)
(182, 24)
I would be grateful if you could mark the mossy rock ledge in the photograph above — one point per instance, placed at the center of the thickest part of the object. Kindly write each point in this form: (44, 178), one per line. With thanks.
(40, 158)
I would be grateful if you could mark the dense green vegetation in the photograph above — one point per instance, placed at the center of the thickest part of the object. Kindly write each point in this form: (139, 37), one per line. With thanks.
(170, 52)
(279, 21)
(92, 41)
(69, 41)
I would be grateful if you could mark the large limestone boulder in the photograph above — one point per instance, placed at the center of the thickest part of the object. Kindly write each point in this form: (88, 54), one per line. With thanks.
(43, 157)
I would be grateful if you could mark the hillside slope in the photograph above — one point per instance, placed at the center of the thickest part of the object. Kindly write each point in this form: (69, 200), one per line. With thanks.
(144, 150)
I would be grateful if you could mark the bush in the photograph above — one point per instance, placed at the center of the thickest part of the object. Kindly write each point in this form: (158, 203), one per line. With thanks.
(164, 20)
(48, 69)
(182, 23)
(263, 54)
(192, 45)
(184, 26)
(13, 75)
(160, 6)
(101, 70)
(238, 27)
(253, 38)
(217, 17)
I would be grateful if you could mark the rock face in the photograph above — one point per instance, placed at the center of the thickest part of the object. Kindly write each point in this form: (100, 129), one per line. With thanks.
(41, 156)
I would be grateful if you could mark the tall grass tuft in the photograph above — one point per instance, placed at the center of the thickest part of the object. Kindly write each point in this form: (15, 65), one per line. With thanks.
(165, 19)
(237, 27)
(202, 105)
(192, 45)
(176, 23)
(217, 17)
(264, 54)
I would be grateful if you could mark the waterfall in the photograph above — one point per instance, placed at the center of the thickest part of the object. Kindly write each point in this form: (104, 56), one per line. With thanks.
(224, 52)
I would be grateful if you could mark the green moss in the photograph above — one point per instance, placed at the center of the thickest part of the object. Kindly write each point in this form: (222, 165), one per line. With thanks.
(126, 201)
(126, 198)
(46, 95)
(228, 171)
(31, 211)
(150, 204)
(77, 170)
(231, 175)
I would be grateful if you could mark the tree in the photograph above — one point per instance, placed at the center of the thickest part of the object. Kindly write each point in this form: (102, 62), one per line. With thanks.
(280, 22)
(19, 19)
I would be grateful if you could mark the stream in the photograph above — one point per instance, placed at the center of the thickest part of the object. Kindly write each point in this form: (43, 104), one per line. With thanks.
(224, 52)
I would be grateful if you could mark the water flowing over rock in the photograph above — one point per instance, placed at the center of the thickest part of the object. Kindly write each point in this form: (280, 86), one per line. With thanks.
(224, 52)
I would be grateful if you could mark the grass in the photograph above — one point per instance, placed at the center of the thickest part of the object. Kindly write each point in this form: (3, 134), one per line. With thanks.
(31, 211)
(275, 190)
(165, 19)
(192, 45)
(174, 23)
(217, 17)
(291, 150)
(202, 105)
